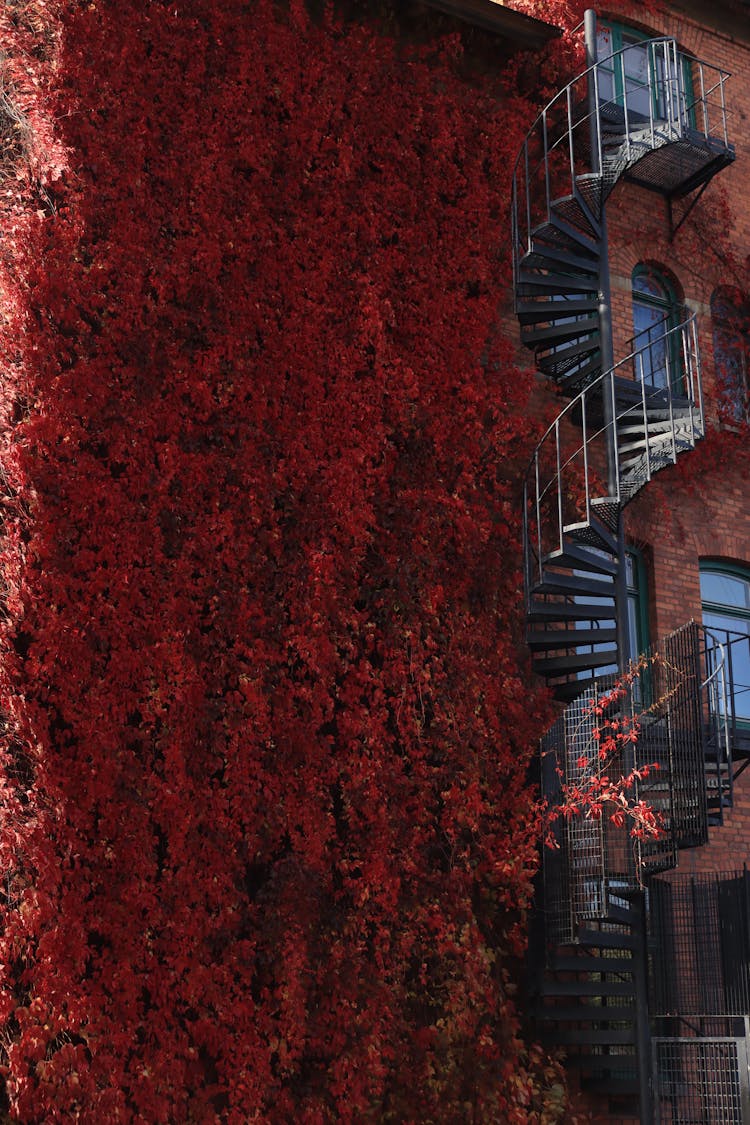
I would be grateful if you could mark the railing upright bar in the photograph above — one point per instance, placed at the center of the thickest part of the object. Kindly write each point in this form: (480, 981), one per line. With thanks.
(571, 150)
(538, 514)
(597, 123)
(670, 400)
(559, 485)
(614, 428)
(651, 97)
(722, 80)
(514, 234)
(687, 367)
(585, 441)
(698, 377)
(645, 421)
(545, 150)
(528, 195)
(623, 81)
(704, 101)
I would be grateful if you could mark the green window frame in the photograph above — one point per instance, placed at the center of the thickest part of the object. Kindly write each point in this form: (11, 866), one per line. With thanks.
(656, 310)
(629, 74)
(725, 602)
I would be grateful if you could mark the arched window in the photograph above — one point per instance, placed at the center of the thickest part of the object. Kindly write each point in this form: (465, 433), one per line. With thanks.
(725, 595)
(642, 75)
(655, 312)
(730, 316)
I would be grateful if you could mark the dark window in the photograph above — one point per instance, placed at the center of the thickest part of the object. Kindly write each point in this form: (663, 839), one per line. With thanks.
(650, 79)
(725, 594)
(656, 312)
(730, 315)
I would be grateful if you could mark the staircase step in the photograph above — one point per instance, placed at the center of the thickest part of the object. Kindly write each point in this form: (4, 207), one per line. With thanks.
(588, 241)
(615, 1087)
(544, 255)
(592, 534)
(573, 964)
(532, 283)
(551, 987)
(562, 332)
(569, 611)
(553, 639)
(585, 1037)
(623, 915)
(560, 360)
(586, 1013)
(657, 442)
(607, 939)
(554, 583)
(577, 376)
(577, 662)
(581, 558)
(534, 312)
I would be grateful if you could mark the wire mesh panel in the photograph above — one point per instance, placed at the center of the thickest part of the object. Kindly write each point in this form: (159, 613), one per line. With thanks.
(681, 691)
(700, 1080)
(700, 942)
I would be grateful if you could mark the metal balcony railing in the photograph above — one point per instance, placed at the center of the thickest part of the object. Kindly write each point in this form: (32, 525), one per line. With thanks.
(602, 122)
(652, 425)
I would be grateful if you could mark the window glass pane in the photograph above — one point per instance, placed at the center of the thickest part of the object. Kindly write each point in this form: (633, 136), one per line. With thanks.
(726, 609)
(730, 311)
(725, 590)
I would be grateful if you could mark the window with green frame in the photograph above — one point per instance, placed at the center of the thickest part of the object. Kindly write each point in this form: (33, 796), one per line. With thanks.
(638, 75)
(725, 597)
(656, 310)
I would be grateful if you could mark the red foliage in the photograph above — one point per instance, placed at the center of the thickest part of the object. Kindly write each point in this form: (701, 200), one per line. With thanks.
(267, 836)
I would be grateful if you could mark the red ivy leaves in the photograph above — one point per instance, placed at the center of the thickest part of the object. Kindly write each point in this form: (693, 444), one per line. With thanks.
(267, 833)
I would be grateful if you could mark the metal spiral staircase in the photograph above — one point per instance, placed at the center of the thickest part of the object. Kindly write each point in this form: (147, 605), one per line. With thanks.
(622, 423)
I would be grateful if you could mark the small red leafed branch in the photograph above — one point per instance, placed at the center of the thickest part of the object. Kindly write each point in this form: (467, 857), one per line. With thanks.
(604, 733)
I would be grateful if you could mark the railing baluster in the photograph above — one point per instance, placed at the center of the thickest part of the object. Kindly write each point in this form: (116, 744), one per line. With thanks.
(545, 151)
(538, 515)
(623, 80)
(722, 80)
(570, 135)
(614, 429)
(559, 484)
(644, 409)
(585, 459)
(670, 401)
(704, 102)
(528, 194)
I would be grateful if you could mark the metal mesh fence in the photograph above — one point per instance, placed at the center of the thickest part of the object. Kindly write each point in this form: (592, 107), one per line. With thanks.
(700, 941)
(700, 1081)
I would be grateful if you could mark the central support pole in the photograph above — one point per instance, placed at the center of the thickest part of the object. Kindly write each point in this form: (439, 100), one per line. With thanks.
(606, 347)
(643, 1041)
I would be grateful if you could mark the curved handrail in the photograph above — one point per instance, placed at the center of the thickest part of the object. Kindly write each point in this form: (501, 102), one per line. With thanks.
(557, 499)
(569, 137)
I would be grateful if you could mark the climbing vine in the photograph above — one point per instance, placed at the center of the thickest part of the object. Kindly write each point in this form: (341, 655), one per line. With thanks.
(267, 837)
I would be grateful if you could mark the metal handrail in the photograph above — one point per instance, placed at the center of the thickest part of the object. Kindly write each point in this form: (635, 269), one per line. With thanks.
(560, 144)
(547, 498)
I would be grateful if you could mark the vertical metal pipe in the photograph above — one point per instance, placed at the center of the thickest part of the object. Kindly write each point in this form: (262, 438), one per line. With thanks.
(560, 536)
(605, 344)
(589, 33)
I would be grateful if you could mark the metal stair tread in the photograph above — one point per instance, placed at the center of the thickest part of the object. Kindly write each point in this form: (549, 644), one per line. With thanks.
(554, 639)
(582, 559)
(554, 583)
(559, 333)
(576, 662)
(569, 611)
(590, 964)
(596, 1037)
(551, 987)
(531, 312)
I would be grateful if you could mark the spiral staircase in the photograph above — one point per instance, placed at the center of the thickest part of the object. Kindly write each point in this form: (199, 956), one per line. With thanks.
(622, 423)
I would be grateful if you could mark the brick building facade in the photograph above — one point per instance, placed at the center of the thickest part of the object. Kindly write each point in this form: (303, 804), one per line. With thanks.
(648, 962)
